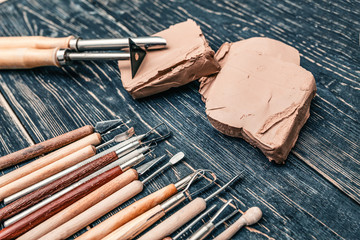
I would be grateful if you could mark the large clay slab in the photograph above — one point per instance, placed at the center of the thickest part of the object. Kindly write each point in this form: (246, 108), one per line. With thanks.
(186, 58)
(261, 94)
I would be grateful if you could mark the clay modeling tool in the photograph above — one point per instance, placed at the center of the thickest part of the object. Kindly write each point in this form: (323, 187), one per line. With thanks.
(66, 183)
(122, 148)
(111, 202)
(66, 200)
(51, 169)
(184, 215)
(133, 228)
(250, 217)
(79, 44)
(24, 58)
(54, 143)
(208, 227)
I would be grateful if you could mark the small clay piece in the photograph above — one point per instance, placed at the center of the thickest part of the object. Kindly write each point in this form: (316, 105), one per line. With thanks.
(186, 58)
(261, 94)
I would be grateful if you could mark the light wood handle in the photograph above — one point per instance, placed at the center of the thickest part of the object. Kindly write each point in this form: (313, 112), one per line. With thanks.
(25, 58)
(129, 213)
(251, 216)
(93, 139)
(80, 206)
(133, 228)
(38, 42)
(176, 220)
(49, 210)
(95, 212)
(46, 171)
(55, 186)
(44, 147)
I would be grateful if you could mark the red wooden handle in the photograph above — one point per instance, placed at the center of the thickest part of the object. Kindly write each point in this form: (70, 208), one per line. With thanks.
(55, 186)
(57, 205)
(44, 147)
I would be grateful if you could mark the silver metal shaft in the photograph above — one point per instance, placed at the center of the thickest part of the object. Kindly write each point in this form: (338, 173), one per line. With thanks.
(75, 56)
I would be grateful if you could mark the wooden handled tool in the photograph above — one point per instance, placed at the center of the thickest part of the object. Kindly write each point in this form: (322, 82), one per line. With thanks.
(80, 206)
(37, 42)
(46, 171)
(182, 216)
(56, 206)
(50, 144)
(92, 139)
(250, 217)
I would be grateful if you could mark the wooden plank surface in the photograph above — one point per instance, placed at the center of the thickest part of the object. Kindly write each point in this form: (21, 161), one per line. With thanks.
(300, 200)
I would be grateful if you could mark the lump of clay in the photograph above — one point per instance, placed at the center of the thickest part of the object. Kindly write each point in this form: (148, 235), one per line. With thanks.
(261, 94)
(186, 58)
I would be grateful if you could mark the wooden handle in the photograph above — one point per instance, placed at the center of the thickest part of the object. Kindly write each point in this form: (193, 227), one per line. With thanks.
(133, 228)
(55, 186)
(93, 139)
(46, 171)
(251, 216)
(96, 211)
(80, 206)
(24, 58)
(49, 210)
(129, 213)
(38, 42)
(44, 147)
(176, 220)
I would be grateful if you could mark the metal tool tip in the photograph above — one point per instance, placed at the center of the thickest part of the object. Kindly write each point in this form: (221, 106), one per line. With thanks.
(177, 157)
(145, 167)
(128, 121)
(137, 55)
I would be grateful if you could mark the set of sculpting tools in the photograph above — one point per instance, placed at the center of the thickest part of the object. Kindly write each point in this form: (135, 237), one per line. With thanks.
(62, 192)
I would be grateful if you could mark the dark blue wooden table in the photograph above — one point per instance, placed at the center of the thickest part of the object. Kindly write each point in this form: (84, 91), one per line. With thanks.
(315, 195)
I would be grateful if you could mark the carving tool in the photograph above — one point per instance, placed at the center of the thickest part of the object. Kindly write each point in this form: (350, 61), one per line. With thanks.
(133, 228)
(80, 221)
(126, 147)
(24, 58)
(208, 227)
(67, 183)
(79, 44)
(53, 168)
(250, 217)
(54, 143)
(181, 217)
(71, 197)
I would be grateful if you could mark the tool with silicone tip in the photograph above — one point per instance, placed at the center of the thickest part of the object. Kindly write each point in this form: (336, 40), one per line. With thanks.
(56, 142)
(250, 217)
(138, 207)
(181, 217)
(133, 228)
(208, 227)
(71, 197)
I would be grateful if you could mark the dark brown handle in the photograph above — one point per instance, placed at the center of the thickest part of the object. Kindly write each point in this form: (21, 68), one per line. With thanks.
(57, 205)
(55, 186)
(45, 147)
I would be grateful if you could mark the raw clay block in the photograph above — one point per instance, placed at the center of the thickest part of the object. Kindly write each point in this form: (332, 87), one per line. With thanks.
(186, 58)
(261, 94)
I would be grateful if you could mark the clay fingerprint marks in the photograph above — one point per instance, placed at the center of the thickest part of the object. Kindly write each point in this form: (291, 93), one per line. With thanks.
(261, 94)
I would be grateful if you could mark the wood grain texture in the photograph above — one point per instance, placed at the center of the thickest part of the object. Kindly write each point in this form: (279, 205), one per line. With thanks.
(80, 206)
(55, 186)
(38, 42)
(49, 210)
(296, 198)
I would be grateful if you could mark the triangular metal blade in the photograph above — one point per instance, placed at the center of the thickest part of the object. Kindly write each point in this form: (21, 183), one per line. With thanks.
(145, 167)
(137, 55)
(105, 126)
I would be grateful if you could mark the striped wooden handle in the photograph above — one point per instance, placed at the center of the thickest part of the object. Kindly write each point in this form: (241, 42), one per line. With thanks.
(80, 206)
(82, 220)
(38, 42)
(49, 210)
(129, 213)
(93, 139)
(46, 171)
(175, 221)
(44, 147)
(55, 186)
